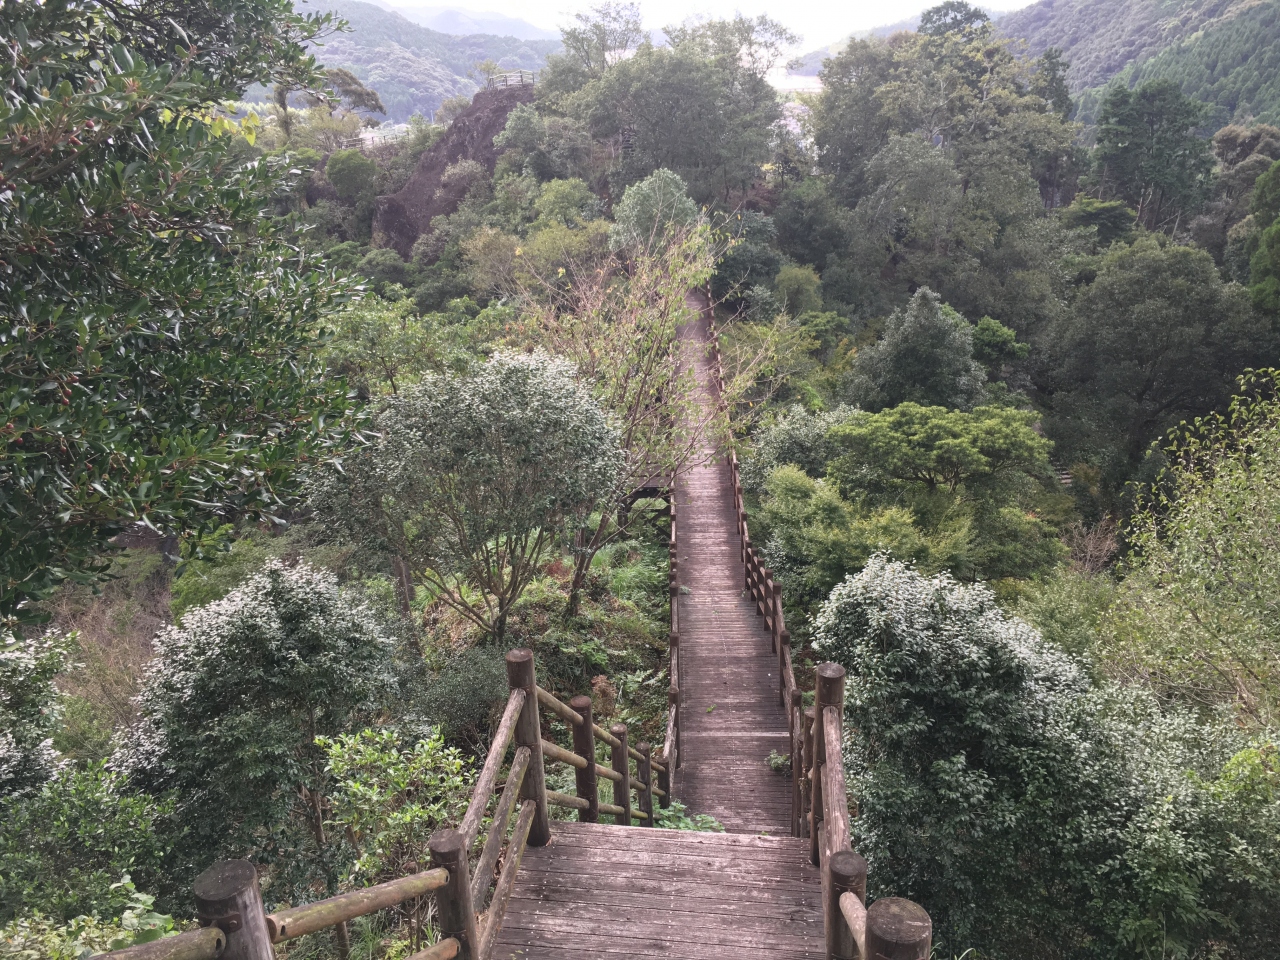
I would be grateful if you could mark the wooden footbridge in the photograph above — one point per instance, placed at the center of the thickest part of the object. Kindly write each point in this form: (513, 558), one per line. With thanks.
(781, 881)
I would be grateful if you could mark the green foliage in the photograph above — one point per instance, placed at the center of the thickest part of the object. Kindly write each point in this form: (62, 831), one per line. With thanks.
(678, 817)
(1157, 337)
(995, 346)
(1032, 813)
(40, 937)
(465, 693)
(64, 847)
(1264, 272)
(925, 356)
(567, 202)
(1193, 616)
(129, 392)
(474, 477)
(28, 708)
(750, 260)
(940, 448)
(241, 758)
(1149, 153)
(1111, 220)
(381, 346)
(392, 796)
(351, 173)
(799, 289)
(795, 437)
(651, 210)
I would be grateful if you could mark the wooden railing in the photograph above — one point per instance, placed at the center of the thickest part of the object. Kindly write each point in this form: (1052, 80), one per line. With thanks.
(671, 747)
(512, 78)
(229, 902)
(892, 928)
(767, 595)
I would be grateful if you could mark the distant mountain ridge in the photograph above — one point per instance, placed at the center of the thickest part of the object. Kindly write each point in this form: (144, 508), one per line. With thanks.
(1225, 52)
(414, 68)
(466, 22)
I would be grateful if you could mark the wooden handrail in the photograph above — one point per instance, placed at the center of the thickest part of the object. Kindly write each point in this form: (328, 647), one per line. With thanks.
(483, 875)
(559, 708)
(203, 944)
(446, 949)
(492, 764)
(310, 917)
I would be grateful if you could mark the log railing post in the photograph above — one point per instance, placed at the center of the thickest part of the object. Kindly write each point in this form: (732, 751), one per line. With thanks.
(520, 674)
(455, 910)
(228, 897)
(584, 745)
(621, 788)
(645, 769)
(846, 873)
(673, 700)
(664, 782)
(795, 721)
(898, 929)
(806, 772)
(829, 693)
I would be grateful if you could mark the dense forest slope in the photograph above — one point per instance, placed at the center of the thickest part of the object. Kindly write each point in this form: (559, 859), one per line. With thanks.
(414, 68)
(1221, 51)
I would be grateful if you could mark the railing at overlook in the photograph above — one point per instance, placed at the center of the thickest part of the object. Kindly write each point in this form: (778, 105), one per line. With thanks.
(511, 78)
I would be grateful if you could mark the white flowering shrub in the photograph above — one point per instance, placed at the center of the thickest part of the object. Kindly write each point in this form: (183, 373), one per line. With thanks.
(28, 709)
(1033, 814)
(232, 706)
(474, 478)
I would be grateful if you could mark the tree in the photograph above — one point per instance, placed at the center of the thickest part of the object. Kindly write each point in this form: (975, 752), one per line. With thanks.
(952, 16)
(941, 448)
(381, 346)
(1149, 155)
(475, 477)
(1158, 337)
(1193, 616)
(602, 38)
(567, 202)
(141, 258)
(651, 211)
(240, 755)
(925, 356)
(351, 173)
(799, 289)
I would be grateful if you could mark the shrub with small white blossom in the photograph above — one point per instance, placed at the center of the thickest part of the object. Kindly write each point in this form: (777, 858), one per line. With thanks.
(1033, 813)
(232, 706)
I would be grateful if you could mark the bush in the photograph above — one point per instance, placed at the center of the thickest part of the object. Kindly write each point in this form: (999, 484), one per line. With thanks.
(1030, 812)
(63, 849)
(40, 937)
(796, 437)
(232, 705)
(391, 797)
(28, 708)
(466, 693)
(351, 173)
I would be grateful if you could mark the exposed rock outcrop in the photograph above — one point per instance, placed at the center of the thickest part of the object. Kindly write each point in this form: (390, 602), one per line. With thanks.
(403, 217)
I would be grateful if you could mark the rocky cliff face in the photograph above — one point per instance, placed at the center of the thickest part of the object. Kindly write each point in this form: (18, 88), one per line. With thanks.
(403, 217)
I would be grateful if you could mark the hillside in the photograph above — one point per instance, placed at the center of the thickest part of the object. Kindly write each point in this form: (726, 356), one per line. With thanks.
(1099, 38)
(414, 68)
(467, 22)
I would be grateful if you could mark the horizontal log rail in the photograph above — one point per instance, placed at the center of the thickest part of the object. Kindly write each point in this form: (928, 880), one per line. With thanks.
(203, 944)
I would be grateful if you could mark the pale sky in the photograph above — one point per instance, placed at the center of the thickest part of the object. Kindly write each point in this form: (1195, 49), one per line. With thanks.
(819, 22)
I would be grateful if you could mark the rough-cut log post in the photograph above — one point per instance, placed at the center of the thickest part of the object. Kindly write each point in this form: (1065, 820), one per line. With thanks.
(664, 782)
(898, 929)
(622, 787)
(795, 720)
(846, 873)
(584, 745)
(455, 910)
(829, 692)
(806, 770)
(529, 734)
(228, 897)
(673, 699)
(645, 769)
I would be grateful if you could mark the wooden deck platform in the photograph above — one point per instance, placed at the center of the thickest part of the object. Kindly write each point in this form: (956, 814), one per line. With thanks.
(732, 719)
(599, 891)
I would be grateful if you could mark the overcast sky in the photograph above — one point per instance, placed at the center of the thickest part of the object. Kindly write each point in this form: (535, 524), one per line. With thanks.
(819, 22)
